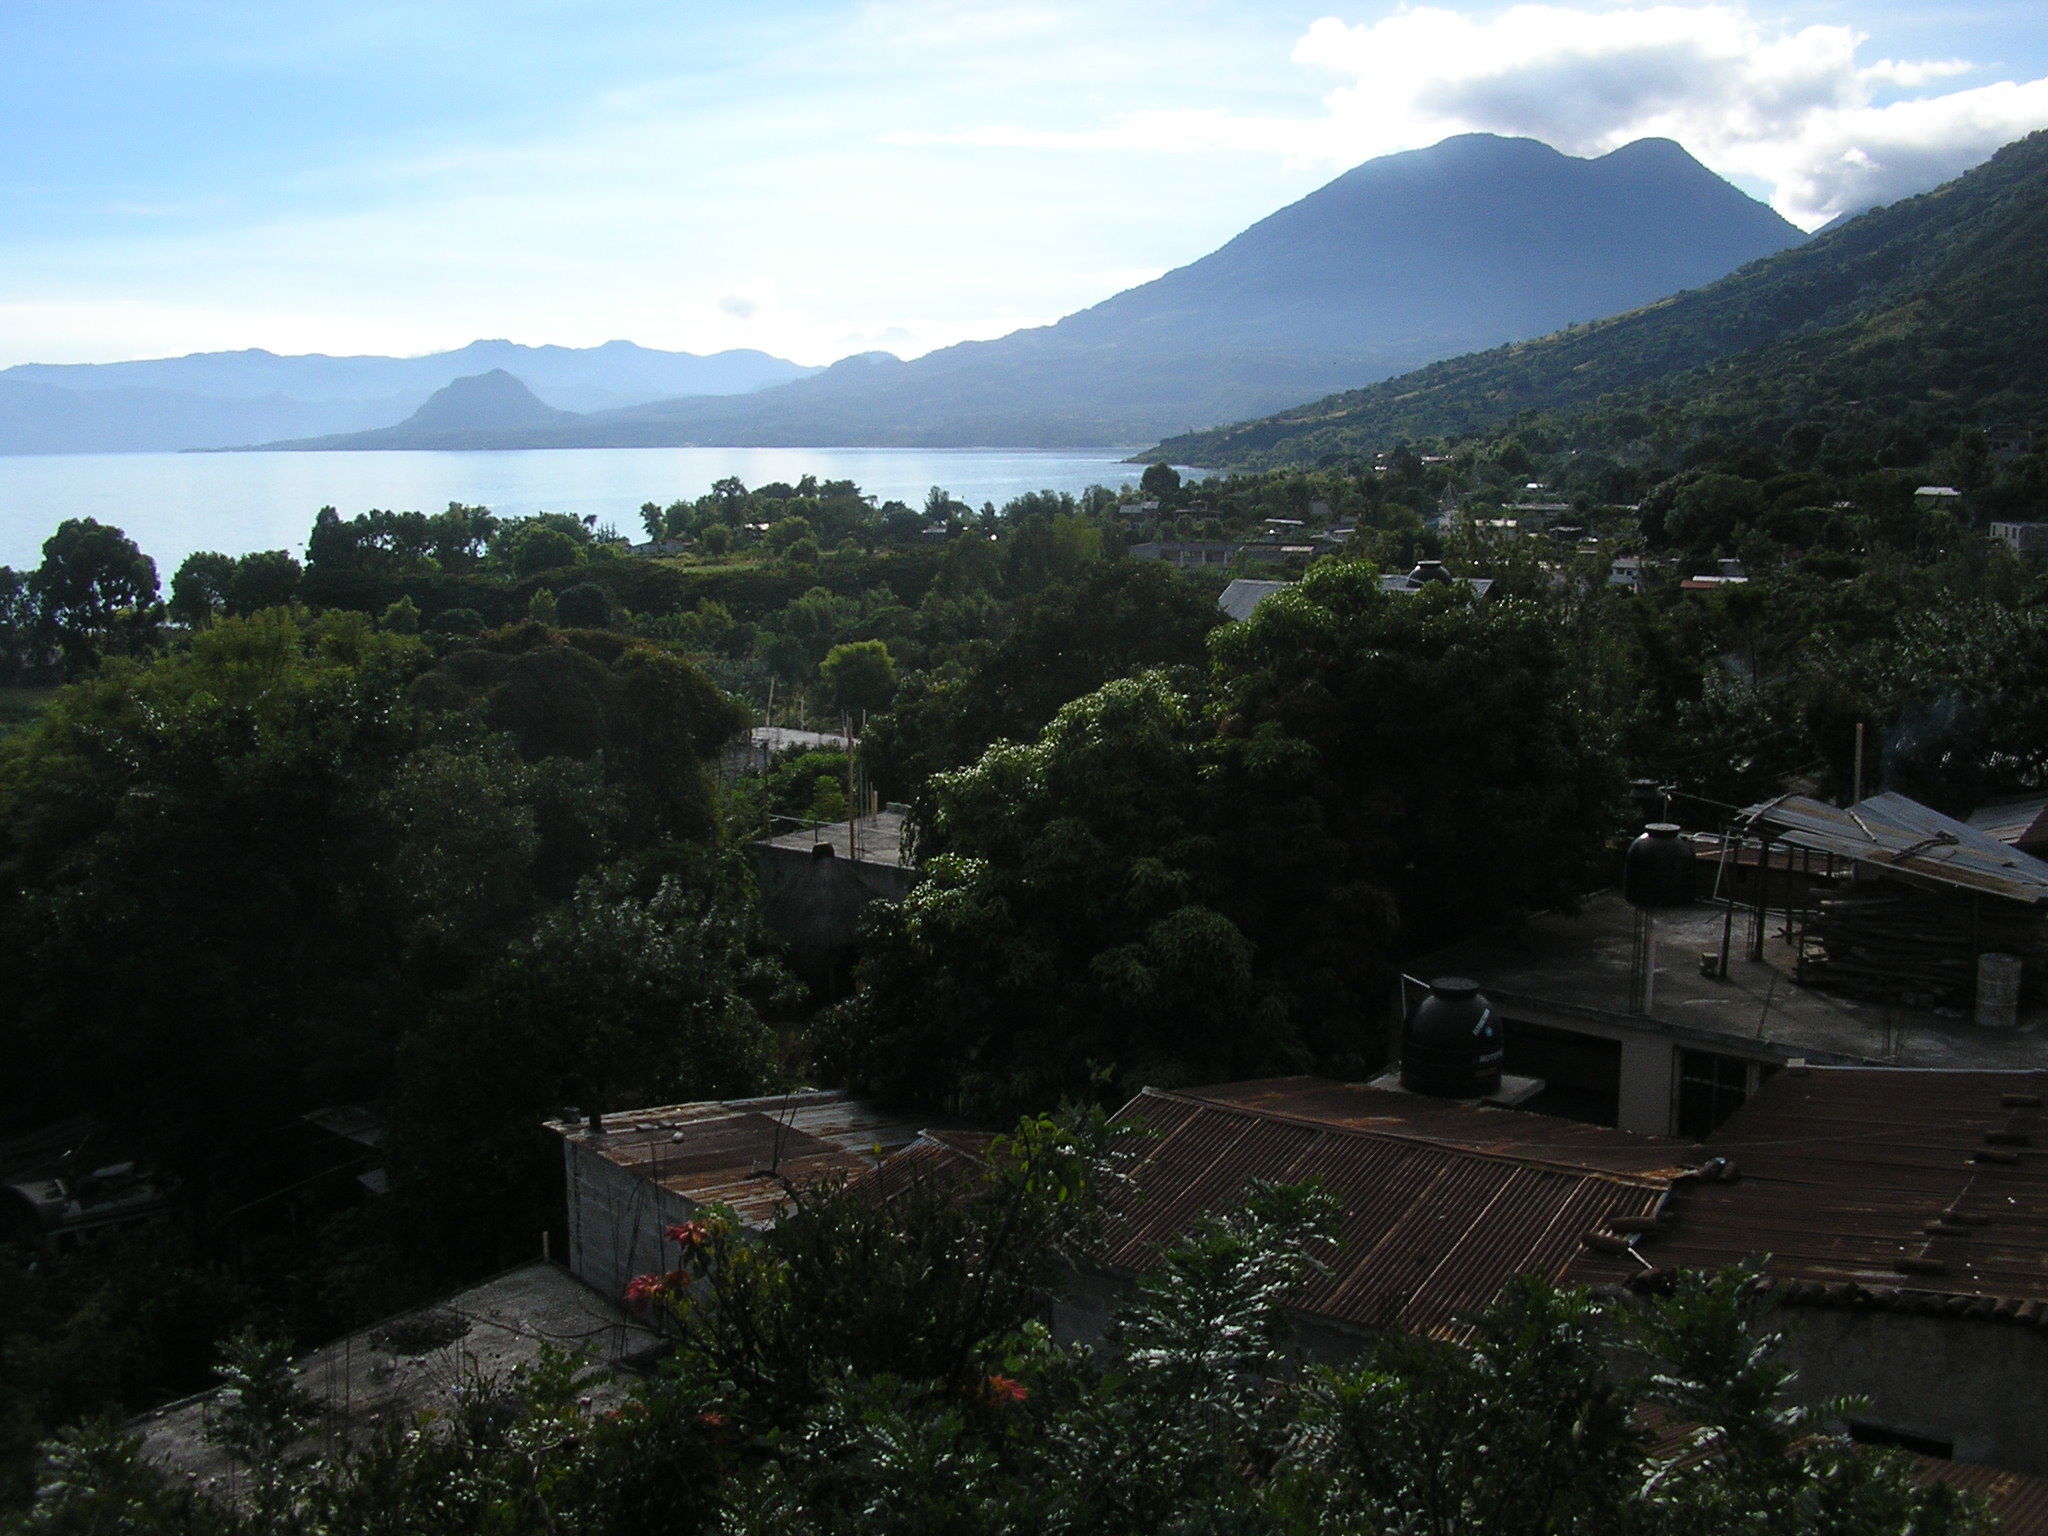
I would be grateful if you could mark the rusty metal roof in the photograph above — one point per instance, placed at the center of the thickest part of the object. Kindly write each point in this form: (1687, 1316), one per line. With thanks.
(1567, 1144)
(740, 1152)
(1880, 1186)
(1908, 839)
(2019, 1501)
(1431, 1227)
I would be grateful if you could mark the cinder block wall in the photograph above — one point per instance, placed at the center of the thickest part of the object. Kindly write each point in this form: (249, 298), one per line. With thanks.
(616, 1220)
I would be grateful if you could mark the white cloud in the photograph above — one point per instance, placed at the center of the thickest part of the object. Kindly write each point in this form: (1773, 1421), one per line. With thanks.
(1790, 106)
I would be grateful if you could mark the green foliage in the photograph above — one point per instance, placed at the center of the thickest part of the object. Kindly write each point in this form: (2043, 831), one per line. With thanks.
(96, 592)
(859, 675)
(1068, 934)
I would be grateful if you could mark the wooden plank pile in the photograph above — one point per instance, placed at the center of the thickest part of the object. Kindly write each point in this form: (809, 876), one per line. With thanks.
(1889, 943)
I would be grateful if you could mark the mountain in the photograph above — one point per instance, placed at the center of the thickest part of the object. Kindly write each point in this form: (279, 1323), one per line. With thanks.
(212, 399)
(482, 411)
(1402, 260)
(1914, 318)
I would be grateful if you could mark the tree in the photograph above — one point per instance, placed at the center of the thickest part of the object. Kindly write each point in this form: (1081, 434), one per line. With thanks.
(860, 676)
(199, 591)
(787, 531)
(1070, 932)
(538, 546)
(97, 590)
(1161, 481)
(585, 606)
(267, 579)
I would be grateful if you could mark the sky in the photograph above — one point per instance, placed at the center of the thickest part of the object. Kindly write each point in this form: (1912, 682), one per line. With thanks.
(820, 177)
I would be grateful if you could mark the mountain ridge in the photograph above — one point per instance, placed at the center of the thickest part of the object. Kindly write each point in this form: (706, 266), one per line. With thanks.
(1403, 259)
(220, 399)
(1935, 304)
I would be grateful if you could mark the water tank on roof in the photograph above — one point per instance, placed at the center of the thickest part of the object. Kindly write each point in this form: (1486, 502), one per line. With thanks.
(1451, 1044)
(1657, 870)
(1428, 570)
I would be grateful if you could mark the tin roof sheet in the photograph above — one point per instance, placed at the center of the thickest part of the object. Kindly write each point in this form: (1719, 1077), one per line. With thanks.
(1430, 1230)
(743, 1153)
(1909, 839)
(1880, 1186)
(2020, 821)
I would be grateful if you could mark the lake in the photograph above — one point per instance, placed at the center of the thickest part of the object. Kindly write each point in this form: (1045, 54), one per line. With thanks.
(174, 503)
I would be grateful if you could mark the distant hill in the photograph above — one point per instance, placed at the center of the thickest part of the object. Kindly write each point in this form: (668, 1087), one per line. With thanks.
(214, 399)
(482, 411)
(1400, 261)
(1910, 319)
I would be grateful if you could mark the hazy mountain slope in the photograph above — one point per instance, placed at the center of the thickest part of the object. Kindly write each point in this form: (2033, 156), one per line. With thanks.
(1933, 307)
(1404, 259)
(483, 411)
(212, 399)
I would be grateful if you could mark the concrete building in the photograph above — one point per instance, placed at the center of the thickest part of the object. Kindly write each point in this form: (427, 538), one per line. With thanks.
(1772, 968)
(1244, 594)
(813, 881)
(633, 1175)
(2023, 538)
(423, 1362)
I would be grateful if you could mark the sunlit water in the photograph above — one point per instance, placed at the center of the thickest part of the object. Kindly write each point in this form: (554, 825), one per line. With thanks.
(174, 503)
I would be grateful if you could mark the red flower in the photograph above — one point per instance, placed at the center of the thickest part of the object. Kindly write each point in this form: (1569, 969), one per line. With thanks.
(689, 1234)
(711, 1420)
(642, 1289)
(1001, 1389)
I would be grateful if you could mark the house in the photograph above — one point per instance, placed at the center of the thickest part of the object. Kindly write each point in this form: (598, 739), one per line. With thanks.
(755, 750)
(2022, 538)
(1187, 554)
(1833, 937)
(812, 883)
(419, 1365)
(1903, 1217)
(1626, 572)
(1937, 496)
(631, 1176)
(1426, 573)
(1244, 594)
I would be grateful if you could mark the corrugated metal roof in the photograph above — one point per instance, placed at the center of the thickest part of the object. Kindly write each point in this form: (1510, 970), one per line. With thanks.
(1909, 839)
(1880, 1186)
(741, 1152)
(2019, 821)
(1431, 1229)
(2019, 1501)
(1244, 594)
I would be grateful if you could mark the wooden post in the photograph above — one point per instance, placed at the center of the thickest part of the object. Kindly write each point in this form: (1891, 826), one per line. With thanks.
(1859, 764)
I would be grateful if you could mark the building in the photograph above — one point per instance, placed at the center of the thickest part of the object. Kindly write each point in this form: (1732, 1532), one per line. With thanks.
(1187, 554)
(421, 1363)
(812, 883)
(1903, 1216)
(2023, 538)
(1937, 496)
(1667, 1026)
(756, 750)
(1426, 572)
(630, 1176)
(1244, 594)
(1626, 572)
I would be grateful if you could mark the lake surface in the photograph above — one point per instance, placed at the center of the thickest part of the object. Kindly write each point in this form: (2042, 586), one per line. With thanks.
(174, 503)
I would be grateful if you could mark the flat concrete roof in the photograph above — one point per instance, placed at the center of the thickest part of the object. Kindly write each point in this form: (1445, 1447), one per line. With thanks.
(1580, 967)
(876, 839)
(424, 1360)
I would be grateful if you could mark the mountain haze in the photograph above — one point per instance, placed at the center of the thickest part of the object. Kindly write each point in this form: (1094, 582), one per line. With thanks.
(1400, 261)
(1931, 311)
(213, 399)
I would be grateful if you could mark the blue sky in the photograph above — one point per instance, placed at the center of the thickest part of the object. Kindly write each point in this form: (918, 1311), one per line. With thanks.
(820, 178)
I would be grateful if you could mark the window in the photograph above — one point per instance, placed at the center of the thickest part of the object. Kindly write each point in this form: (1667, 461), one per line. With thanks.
(1711, 1087)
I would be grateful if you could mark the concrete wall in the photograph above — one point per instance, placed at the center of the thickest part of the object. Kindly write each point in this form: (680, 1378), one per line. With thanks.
(615, 1221)
(813, 904)
(1980, 1384)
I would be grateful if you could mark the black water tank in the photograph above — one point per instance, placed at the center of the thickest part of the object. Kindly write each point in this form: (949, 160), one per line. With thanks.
(1657, 870)
(1451, 1045)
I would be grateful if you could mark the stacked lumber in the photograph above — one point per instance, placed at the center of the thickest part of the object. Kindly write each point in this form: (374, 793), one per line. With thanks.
(1889, 943)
